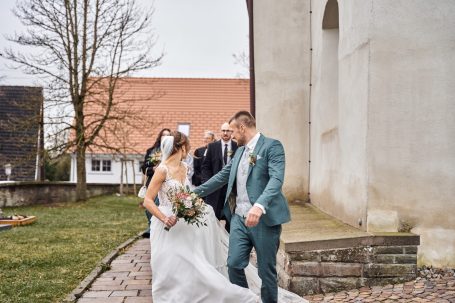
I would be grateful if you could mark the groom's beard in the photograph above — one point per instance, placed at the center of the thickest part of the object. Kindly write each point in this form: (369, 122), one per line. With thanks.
(240, 141)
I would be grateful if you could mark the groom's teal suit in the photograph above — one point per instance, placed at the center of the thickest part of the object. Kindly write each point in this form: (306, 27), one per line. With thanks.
(263, 185)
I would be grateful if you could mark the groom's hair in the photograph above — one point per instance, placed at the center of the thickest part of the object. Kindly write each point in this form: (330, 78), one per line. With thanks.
(244, 117)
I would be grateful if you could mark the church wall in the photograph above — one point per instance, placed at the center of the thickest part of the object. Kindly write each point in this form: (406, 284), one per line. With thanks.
(382, 138)
(338, 178)
(282, 56)
(411, 125)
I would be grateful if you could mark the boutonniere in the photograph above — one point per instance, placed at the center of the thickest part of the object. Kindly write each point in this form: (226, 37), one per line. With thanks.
(252, 159)
(229, 153)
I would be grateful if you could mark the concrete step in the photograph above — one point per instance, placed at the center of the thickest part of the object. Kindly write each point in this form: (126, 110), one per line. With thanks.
(320, 254)
(312, 229)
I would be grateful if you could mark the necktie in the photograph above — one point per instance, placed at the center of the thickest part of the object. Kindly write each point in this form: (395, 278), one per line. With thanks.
(225, 154)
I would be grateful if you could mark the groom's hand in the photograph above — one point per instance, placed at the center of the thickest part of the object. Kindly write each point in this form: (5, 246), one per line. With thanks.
(252, 219)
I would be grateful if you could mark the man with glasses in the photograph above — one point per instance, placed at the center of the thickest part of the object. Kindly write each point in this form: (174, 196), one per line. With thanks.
(218, 154)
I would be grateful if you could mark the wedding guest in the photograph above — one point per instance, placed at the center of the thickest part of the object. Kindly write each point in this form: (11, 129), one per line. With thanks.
(199, 155)
(151, 160)
(218, 155)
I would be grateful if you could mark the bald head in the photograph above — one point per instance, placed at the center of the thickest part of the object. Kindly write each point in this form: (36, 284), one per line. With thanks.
(226, 132)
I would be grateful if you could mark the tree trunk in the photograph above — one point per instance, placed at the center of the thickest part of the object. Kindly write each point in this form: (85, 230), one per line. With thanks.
(81, 186)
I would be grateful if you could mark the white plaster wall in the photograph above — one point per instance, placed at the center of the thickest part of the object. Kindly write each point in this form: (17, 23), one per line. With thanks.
(338, 178)
(282, 56)
(411, 128)
(109, 177)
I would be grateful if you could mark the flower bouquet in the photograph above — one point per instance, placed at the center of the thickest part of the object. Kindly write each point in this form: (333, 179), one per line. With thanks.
(187, 206)
(155, 158)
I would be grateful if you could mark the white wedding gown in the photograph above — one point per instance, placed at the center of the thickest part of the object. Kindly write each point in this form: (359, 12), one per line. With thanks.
(189, 262)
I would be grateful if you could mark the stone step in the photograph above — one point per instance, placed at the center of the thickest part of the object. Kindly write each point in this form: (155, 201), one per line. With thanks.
(319, 254)
(312, 229)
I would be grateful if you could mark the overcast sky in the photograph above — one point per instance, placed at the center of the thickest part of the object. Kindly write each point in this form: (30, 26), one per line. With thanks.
(198, 38)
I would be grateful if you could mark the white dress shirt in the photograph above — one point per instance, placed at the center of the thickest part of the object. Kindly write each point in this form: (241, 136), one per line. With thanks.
(243, 203)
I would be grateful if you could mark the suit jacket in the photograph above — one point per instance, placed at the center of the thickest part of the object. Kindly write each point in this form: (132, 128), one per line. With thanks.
(197, 164)
(212, 164)
(264, 182)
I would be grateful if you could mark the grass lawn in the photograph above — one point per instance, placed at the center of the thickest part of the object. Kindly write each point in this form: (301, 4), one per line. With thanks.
(46, 260)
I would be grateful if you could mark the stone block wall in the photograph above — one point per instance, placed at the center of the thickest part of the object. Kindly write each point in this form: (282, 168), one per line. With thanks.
(28, 193)
(331, 270)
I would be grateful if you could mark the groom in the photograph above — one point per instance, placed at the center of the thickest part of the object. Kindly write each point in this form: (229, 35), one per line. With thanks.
(254, 204)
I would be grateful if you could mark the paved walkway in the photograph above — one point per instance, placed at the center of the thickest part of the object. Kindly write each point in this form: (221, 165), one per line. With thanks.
(129, 281)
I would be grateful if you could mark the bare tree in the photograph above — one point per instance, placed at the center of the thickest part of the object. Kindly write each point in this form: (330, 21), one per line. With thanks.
(82, 49)
(243, 60)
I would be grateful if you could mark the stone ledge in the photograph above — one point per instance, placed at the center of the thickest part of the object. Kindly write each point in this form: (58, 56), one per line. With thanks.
(320, 254)
(389, 239)
(311, 229)
(31, 193)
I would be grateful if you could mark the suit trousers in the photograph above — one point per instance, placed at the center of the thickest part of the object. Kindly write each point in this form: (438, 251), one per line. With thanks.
(265, 239)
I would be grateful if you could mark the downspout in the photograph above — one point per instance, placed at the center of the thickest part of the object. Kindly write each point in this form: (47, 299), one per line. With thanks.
(249, 4)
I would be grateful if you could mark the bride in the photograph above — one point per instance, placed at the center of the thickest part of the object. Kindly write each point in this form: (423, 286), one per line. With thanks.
(189, 262)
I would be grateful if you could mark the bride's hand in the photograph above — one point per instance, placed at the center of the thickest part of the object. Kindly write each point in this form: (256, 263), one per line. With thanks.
(170, 221)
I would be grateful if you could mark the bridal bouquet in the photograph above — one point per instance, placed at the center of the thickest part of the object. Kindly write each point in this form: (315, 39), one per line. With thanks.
(187, 206)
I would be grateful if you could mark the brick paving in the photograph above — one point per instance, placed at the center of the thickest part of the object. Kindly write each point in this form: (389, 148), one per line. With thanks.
(129, 280)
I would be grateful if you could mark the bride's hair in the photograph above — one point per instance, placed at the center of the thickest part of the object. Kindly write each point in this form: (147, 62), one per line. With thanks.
(170, 145)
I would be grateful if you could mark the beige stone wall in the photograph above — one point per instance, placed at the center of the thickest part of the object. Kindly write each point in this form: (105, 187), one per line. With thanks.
(411, 125)
(382, 111)
(282, 83)
(338, 179)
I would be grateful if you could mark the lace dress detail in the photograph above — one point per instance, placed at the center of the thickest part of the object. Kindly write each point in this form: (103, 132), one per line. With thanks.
(167, 185)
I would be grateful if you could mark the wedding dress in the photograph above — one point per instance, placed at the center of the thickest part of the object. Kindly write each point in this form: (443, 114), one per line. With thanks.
(189, 262)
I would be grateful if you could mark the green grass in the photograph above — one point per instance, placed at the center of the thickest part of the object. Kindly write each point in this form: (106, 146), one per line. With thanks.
(46, 260)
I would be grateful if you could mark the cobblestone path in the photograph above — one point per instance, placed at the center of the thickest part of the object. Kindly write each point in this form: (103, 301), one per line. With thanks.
(421, 290)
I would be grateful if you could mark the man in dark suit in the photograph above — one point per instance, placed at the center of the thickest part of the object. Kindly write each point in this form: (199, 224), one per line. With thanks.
(199, 155)
(219, 154)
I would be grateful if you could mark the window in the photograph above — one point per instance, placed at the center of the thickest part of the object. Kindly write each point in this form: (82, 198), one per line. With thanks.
(101, 165)
(96, 165)
(184, 128)
(106, 165)
(141, 163)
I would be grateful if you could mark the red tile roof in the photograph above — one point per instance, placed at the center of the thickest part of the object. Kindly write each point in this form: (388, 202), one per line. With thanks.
(204, 103)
